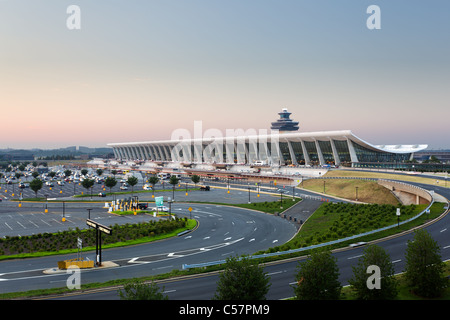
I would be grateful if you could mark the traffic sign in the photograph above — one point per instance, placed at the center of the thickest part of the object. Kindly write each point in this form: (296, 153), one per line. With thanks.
(159, 201)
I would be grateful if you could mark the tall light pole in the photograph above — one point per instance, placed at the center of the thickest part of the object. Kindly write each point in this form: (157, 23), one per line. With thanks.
(46, 203)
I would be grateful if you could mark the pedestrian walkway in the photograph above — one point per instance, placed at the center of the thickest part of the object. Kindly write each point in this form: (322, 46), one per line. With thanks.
(301, 211)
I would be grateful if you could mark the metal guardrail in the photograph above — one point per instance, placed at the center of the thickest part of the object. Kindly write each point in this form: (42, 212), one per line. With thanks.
(279, 253)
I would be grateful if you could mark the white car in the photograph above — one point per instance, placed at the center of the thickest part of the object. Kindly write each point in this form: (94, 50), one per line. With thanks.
(163, 208)
(123, 188)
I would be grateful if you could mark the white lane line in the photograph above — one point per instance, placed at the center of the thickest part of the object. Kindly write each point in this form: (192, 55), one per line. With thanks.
(34, 223)
(252, 239)
(46, 222)
(443, 230)
(349, 258)
(21, 224)
(169, 291)
(395, 261)
(227, 239)
(8, 226)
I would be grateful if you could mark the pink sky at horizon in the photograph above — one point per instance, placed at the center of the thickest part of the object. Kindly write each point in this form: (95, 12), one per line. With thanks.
(137, 73)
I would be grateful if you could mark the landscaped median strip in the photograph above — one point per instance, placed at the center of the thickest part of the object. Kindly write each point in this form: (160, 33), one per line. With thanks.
(279, 253)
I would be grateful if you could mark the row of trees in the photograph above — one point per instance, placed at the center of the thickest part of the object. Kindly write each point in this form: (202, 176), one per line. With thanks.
(65, 240)
(318, 277)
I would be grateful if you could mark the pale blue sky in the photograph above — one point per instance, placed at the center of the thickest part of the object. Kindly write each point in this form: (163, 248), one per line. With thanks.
(137, 70)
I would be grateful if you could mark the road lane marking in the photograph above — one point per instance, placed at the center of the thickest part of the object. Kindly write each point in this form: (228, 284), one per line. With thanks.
(21, 224)
(34, 223)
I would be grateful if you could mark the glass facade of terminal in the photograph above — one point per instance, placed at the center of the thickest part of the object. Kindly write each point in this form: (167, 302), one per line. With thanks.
(341, 150)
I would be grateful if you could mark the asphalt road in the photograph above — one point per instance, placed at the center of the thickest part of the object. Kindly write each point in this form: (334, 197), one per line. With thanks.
(235, 239)
(282, 274)
(222, 232)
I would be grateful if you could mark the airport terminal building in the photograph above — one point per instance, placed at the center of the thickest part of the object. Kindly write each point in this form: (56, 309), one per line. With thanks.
(282, 146)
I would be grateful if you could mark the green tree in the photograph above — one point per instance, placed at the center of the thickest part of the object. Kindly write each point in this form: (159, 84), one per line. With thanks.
(317, 278)
(99, 172)
(88, 183)
(52, 174)
(67, 173)
(424, 271)
(139, 290)
(173, 181)
(153, 180)
(110, 182)
(374, 256)
(132, 181)
(35, 174)
(36, 185)
(84, 172)
(195, 179)
(242, 279)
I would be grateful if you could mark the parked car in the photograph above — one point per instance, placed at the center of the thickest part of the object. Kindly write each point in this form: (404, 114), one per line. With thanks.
(163, 208)
(142, 206)
(102, 194)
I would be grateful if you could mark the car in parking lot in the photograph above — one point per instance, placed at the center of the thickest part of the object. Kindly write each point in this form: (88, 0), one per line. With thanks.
(123, 187)
(161, 208)
(102, 194)
(142, 206)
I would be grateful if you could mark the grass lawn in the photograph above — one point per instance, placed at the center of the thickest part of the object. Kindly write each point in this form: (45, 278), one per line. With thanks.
(336, 221)
(368, 191)
(382, 175)
(404, 293)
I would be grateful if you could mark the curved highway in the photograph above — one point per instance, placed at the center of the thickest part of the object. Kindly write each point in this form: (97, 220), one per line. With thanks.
(223, 232)
(282, 274)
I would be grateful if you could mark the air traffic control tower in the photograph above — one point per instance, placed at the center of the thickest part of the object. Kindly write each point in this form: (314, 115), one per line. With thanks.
(285, 124)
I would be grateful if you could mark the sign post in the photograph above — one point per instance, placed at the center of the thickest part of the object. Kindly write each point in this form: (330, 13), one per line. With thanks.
(80, 248)
(98, 243)
(159, 202)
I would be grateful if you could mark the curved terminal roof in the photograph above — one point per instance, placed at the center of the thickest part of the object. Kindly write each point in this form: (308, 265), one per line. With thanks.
(283, 137)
